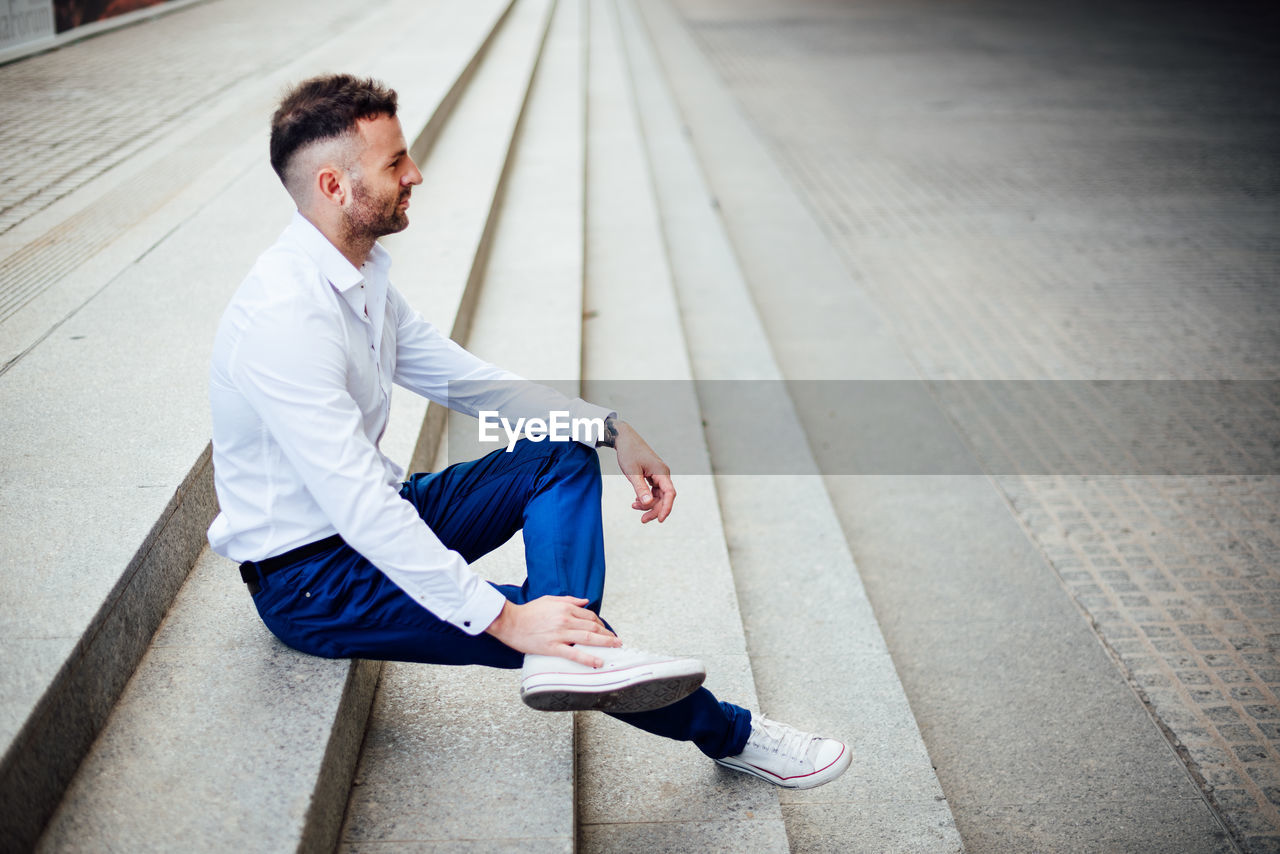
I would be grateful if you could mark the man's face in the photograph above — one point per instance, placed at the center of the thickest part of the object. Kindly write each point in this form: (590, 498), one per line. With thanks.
(381, 184)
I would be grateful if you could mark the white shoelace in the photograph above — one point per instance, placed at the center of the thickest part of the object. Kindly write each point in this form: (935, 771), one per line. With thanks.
(781, 739)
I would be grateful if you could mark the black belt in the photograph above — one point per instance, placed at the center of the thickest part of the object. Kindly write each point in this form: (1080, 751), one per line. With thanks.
(252, 571)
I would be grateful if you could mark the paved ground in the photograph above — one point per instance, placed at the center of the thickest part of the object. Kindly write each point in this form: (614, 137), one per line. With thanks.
(1030, 191)
(63, 123)
(1071, 191)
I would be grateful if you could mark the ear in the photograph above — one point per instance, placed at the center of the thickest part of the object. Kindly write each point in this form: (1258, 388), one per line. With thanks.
(332, 186)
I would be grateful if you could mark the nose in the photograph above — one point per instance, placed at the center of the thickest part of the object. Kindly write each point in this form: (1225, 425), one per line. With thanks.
(413, 176)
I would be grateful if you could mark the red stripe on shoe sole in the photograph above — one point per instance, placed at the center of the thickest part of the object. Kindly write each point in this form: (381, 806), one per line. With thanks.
(843, 748)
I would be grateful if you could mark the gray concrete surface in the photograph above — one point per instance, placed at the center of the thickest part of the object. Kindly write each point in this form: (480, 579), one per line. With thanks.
(215, 701)
(1034, 192)
(120, 389)
(78, 121)
(55, 259)
(670, 586)
(1047, 192)
(76, 593)
(788, 553)
(63, 123)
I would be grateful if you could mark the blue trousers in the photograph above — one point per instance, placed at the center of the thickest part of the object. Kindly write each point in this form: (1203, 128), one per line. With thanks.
(338, 605)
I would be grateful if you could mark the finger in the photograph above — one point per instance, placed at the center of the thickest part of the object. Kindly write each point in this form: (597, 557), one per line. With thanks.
(600, 635)
(589, 636)
(655, 512)
(584, 640)
(578, 654)
(592, 616)
(644, 497)
(666, 490)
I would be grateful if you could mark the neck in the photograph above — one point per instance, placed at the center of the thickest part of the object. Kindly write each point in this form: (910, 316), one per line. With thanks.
(355, 251)
(355, 248)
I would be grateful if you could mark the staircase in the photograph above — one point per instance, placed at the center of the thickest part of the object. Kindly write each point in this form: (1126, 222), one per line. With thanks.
(566, 229)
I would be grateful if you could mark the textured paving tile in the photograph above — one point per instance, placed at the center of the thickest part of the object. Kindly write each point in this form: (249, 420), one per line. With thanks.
(1179, 577)
(1071, 191)
(64, 123)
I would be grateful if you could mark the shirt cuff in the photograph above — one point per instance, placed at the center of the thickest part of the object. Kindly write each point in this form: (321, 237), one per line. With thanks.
(479, 612)
(581, 409)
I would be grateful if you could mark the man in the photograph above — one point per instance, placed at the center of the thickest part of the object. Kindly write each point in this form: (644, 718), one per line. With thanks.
(344, 560)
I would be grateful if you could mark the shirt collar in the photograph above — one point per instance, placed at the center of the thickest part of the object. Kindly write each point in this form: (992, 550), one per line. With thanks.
(332, 263)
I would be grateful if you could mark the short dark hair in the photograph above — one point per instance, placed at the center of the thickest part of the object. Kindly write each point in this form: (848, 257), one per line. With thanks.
(323, 108)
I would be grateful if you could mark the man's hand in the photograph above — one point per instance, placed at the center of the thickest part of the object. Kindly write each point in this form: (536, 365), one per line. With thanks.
(648, 474)
(551, 625)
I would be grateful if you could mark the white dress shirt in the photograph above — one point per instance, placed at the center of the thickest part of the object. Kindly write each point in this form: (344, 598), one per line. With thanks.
(300, 386)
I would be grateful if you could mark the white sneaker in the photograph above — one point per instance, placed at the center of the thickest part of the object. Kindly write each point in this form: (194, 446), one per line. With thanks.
(631, 680)
(787, 757)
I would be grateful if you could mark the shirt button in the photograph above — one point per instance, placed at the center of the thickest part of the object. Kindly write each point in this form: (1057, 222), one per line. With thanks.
(466, 623)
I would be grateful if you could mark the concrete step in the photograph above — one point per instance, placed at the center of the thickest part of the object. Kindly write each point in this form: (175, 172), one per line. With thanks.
(57, 259)
(670, 586)
(1015, 698)
(788, 553)
(785, 255)
(452, 759)
(70, 704)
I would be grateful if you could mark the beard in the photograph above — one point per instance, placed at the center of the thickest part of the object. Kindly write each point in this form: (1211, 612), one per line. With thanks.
(371, 216)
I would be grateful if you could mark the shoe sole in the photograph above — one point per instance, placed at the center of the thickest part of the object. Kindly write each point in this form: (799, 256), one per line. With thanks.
(810, 781)
(634, 693)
